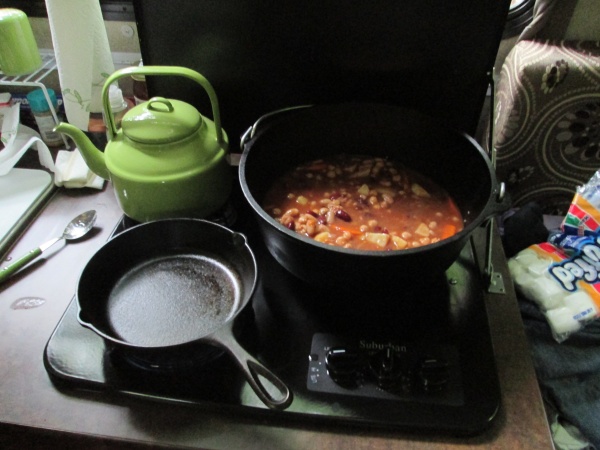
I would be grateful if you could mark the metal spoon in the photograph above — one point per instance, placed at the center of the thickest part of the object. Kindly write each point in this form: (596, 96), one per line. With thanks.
(78, 227)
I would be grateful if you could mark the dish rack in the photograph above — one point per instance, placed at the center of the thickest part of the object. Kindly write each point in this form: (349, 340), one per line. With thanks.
(35, 80)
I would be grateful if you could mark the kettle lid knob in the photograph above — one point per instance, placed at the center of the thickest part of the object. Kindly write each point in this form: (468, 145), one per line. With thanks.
(161, 121)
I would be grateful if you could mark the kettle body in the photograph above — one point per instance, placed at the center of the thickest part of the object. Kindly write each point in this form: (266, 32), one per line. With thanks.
(194, 181)
(166, 160)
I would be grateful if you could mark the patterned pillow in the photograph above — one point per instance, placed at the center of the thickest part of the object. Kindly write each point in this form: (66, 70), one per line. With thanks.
(547, 121)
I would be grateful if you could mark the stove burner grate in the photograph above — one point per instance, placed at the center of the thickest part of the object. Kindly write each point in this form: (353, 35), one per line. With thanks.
(191, 359)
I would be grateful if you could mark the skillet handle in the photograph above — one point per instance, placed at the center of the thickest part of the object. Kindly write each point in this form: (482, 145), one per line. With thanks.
(253, 370)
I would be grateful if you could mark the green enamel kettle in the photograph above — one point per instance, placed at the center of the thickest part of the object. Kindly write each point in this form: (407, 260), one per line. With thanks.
(166, 160)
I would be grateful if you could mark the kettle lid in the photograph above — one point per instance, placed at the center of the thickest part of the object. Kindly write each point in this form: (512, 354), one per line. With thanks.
(161, 121)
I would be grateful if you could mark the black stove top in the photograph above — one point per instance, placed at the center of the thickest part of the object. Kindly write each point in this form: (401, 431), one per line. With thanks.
(418, 359)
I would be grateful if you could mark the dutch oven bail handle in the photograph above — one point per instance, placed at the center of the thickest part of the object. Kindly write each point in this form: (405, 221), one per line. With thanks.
(161, 71)
(254, 370)
(251, 132)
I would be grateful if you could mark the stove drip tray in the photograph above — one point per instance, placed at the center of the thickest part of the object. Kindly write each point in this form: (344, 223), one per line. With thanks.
(420, 360)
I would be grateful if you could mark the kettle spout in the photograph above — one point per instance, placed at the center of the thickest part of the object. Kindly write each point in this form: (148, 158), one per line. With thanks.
(93, 157)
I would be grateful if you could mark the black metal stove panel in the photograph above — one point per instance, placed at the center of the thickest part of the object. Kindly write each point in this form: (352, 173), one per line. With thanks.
(385, 369)
(292, 326)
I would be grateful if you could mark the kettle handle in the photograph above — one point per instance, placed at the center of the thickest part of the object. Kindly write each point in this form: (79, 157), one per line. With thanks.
(161, 70)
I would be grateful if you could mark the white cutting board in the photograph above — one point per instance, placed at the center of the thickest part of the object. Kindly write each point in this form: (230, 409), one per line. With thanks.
(21, 192)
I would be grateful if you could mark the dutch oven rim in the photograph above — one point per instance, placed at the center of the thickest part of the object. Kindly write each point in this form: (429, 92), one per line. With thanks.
(496, 202)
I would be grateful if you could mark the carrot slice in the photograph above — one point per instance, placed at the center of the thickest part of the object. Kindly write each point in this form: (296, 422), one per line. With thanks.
(343, 228)
(447, 231)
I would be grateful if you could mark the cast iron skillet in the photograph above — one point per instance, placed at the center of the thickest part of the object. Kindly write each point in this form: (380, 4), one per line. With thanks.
(281, 141)
(163, 285)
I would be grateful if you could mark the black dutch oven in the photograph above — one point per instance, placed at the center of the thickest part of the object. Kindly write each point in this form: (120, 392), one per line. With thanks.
(280, 141)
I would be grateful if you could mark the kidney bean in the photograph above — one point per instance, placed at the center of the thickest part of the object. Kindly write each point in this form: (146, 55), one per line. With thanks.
(291, 225)
(343, 215)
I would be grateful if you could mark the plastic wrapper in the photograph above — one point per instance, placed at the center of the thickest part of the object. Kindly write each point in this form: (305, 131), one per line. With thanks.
(17, 139)
(562, 276)
(565, 287)
(583, 217)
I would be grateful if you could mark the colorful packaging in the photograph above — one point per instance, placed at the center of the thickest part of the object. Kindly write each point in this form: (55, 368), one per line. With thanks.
(583, 217)
(562, 276)
(565, 287)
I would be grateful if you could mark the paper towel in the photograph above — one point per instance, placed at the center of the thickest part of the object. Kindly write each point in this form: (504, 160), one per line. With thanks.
(83, 56)
(72, 172)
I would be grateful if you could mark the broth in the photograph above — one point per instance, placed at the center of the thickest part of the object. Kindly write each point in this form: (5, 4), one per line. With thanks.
(364, 203)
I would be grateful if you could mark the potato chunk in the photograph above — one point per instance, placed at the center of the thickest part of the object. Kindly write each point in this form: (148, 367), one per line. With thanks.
(419, 190)
(363, 190)
(399, 242)
(422, 230)
(322, 237)
(379, 239)
(302, 200)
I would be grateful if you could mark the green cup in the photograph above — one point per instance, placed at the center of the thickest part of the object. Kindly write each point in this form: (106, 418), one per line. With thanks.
(19, 54)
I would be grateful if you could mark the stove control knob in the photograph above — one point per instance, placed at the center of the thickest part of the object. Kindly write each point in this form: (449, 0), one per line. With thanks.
(388, 368)
(433, 374)
(344, 366)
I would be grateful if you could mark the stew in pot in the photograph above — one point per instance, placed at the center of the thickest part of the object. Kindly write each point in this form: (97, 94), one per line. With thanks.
(362, 202)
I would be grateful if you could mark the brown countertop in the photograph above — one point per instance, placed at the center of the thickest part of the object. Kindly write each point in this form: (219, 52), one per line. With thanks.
(35, 413)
